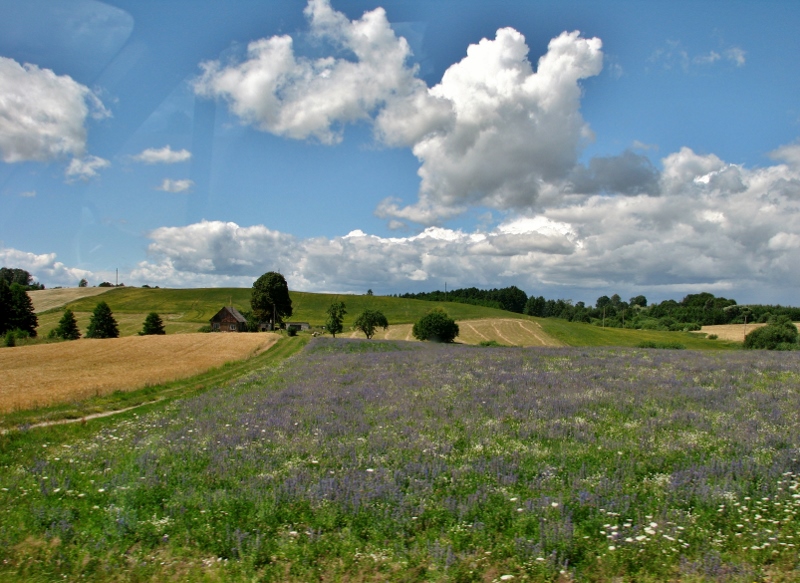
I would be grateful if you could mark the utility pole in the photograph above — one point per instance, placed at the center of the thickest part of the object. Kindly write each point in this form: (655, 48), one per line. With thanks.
(117, 280)
(604, 316)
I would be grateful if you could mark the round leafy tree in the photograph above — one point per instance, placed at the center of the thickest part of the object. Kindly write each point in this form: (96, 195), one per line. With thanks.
(68, 327)
(336, 313)
(779, 334)
(270, 297)
(435, 326)
(152, 325)
(102, 323)
(369, 321)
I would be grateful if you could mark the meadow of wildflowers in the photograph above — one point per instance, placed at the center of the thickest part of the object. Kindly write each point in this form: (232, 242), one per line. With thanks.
(381, 461)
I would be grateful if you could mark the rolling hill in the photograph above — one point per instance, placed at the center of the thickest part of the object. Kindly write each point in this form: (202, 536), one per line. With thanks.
(185, 310)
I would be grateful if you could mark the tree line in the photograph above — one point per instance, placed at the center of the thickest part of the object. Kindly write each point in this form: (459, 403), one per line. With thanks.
(691, 313)
(510, 298)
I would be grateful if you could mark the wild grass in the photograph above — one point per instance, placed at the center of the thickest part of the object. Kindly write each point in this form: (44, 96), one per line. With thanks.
(384, 461)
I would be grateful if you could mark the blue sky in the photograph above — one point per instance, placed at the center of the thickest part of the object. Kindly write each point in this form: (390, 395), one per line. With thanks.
(573, 149)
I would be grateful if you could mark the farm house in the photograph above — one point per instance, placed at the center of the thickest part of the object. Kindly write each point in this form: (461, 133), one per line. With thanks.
(228, 319)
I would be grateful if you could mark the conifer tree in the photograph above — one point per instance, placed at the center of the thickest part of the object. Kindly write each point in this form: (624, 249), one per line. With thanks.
(23, 317)
(68, 327)
(152, 325)
(102, 323)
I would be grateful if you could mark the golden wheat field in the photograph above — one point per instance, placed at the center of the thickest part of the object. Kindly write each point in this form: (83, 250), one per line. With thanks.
(734, 332)
(508, 331)
(45, 374)
(47, 299)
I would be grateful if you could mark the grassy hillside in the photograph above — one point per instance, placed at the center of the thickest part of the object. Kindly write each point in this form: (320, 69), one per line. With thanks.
(199, 305)
(576, 334)
(184, 310)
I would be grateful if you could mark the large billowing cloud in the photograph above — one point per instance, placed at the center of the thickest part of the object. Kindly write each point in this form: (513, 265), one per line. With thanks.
(716, 227)
(493, 132)
(512, 132)
(293, 96)
(43, 267)
(43, 115)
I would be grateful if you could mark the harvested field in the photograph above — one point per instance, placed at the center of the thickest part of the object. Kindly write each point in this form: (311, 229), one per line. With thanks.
(508, 331)
(47, 299)
(734, 332)
(45, 374)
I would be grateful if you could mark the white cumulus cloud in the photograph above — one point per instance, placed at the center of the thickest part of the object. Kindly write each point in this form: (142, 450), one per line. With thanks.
(85, 168)
(43, 115)
(716, 227)
(512, 131)
(43, 267)
(169, 185)
(493, 132)
(165, 155)
(294, 96)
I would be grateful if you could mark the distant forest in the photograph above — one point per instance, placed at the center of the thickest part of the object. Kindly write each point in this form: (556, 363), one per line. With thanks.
(692, 312)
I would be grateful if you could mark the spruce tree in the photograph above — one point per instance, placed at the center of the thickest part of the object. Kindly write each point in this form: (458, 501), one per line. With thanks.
(5, 307)
(68, 327)
(102, 323)
(23, 316)
(152, 325)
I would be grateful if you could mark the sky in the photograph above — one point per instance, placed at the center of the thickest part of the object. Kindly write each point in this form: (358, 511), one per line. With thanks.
(573, 149)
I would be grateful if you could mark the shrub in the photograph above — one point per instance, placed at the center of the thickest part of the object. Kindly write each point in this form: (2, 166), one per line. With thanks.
(712, 336)
(666, 345)
(435, 326)
(490, 343)
(10, 339)
(779, 334)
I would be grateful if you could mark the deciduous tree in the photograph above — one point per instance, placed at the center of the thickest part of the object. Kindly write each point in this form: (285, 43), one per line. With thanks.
(435, 326)
(369, 321)
(270, 298)
(336, 313)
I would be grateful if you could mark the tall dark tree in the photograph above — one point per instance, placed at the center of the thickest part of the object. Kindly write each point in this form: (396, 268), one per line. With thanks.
(68, 327)
(83, 283)
(102, 323)
(23, 316)
(336, 313)
(152, 325)
(15, 275)
(270, 297)
(5, 307)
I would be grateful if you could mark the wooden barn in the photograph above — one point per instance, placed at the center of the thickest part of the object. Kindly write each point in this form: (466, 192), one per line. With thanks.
(229, 319)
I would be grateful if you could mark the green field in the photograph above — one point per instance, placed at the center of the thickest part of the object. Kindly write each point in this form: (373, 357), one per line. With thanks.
(576, 334)
(185, 310)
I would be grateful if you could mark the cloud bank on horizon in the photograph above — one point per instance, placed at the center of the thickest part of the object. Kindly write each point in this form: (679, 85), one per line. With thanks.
(495, 132)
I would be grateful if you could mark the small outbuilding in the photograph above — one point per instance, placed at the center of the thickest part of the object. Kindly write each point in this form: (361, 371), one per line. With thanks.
(229, 319)
(298, 325)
